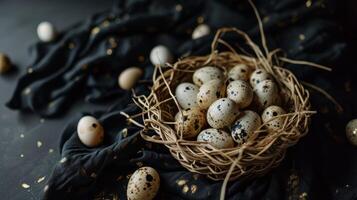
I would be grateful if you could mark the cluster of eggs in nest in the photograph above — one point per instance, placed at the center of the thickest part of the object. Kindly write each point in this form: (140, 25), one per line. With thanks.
(224, 109)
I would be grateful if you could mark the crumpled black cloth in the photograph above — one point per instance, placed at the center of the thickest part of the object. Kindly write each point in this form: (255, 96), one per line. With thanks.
(86, 60)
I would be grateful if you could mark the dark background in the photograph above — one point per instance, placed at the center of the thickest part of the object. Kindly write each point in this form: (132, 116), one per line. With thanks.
(22, 159)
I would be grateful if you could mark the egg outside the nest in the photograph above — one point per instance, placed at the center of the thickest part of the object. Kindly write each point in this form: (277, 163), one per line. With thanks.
(144, 183)
(90, 131)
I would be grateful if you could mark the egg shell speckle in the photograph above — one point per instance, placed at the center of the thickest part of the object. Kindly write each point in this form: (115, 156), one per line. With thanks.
(239, 72)
(222, 113)
(248, 121)
(258, 76)
(210, 92)
(160, 55)
(186, 95)
(144, 183)
(240, 92)
(351, 131)
(272, 112)
(90, 131)
(205, 74)
(266, 94)
(190, 121)
(217, 138)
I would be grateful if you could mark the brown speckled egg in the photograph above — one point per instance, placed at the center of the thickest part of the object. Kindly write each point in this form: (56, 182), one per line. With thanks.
(222, 113)
(240, 92)
(217, 138)
(351, 131)
(272, 112)
(90, 131)
(210, 92)
(258, 76)
(239, 72)
(190, 122)
(266, 94)
(205, 74)
(186, 95)
(247, 122)
(144, 183)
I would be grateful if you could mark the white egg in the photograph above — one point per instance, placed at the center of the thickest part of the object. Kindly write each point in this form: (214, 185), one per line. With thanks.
(46, 32)
(222, 113)
(200, 31)
(205, 74)
(273, 112)
(160, 55)
(90, 131)
(266, 94)
(186, 95)
(247, 122)
(351, 131)
(190, 122)
(129, 77)
(258, 76)
(216, 137)
(210, 92)
(240, 92)
(144, 183)
(239, 72)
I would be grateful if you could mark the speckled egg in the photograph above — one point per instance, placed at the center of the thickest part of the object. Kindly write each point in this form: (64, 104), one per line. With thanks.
(351, 131)
(239, 72)
(46, 32)
(216, 137)
(200, 31)
(205, 74)
(90, 131)
(160, 55)
(266, 94)
(186, 95)
(222, 113)
(210, 92)
(144, 183)
(129, 77)
(247, 122)
(272, 112)
(240, 92)
(258, 76)
(190, 122)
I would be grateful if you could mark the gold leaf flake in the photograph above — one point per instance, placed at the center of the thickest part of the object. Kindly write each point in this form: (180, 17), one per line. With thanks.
(50, 151)
(39, 144)
(41, 179)
(29, 70)
(71, 45)
(93, 175)
(63, 160)
(193, 188)
(200, 19)
(109, 52)
(139, 164)
(95, 30)
(266, 19)
(27, 91)
(45, 188)
(22, 135)
(185, 189)
(181, 182)
(308, 3)
(25, 185)
(21, 155)
(178, 7)
(302, 37)
(125, 132)
(105, 23)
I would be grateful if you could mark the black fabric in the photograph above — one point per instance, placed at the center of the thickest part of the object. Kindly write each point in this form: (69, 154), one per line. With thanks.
(78, 66)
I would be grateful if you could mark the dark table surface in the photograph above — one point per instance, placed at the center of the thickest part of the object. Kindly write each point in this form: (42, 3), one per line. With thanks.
(29, 144)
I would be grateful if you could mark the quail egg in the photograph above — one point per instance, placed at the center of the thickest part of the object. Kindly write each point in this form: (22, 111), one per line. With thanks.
(266, 94)
(216, 137)
(222, 113)
(144, 183)
(239, 72)
(205, 74)
(270, 113)
(190, 122)
(210, 92)
(258, 76)
(186, 95)
(90, 131)
(240, 92)
(351, 131)
(160, 55)
(248, 121)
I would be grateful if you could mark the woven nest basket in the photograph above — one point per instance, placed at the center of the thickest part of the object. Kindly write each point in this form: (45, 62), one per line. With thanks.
(263, 150)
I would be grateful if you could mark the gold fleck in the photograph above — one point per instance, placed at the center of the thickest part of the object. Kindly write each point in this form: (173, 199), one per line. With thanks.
(266, 19)
(112, 42)
(21, 155)
(105, 23)
(185, 189)
(45, 188)
(27, 91)
(181, 182)
(39, 144)
(193, 188)
(25, 185)
(200, 19)
(125, 132)
(302, 37)
(308, 3)
(29, 70)
(41, 179)
(50, 151)
(141, 58)
(354, 132)
(22, 135)
(115, 157)
(71, 45)
(128, 176)
(178, 7)
(95, 30)
(195, 176)
(109, 52)
(93, 175)
(85, 67)
(63, 160)
(139, 164)
(303, 196)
